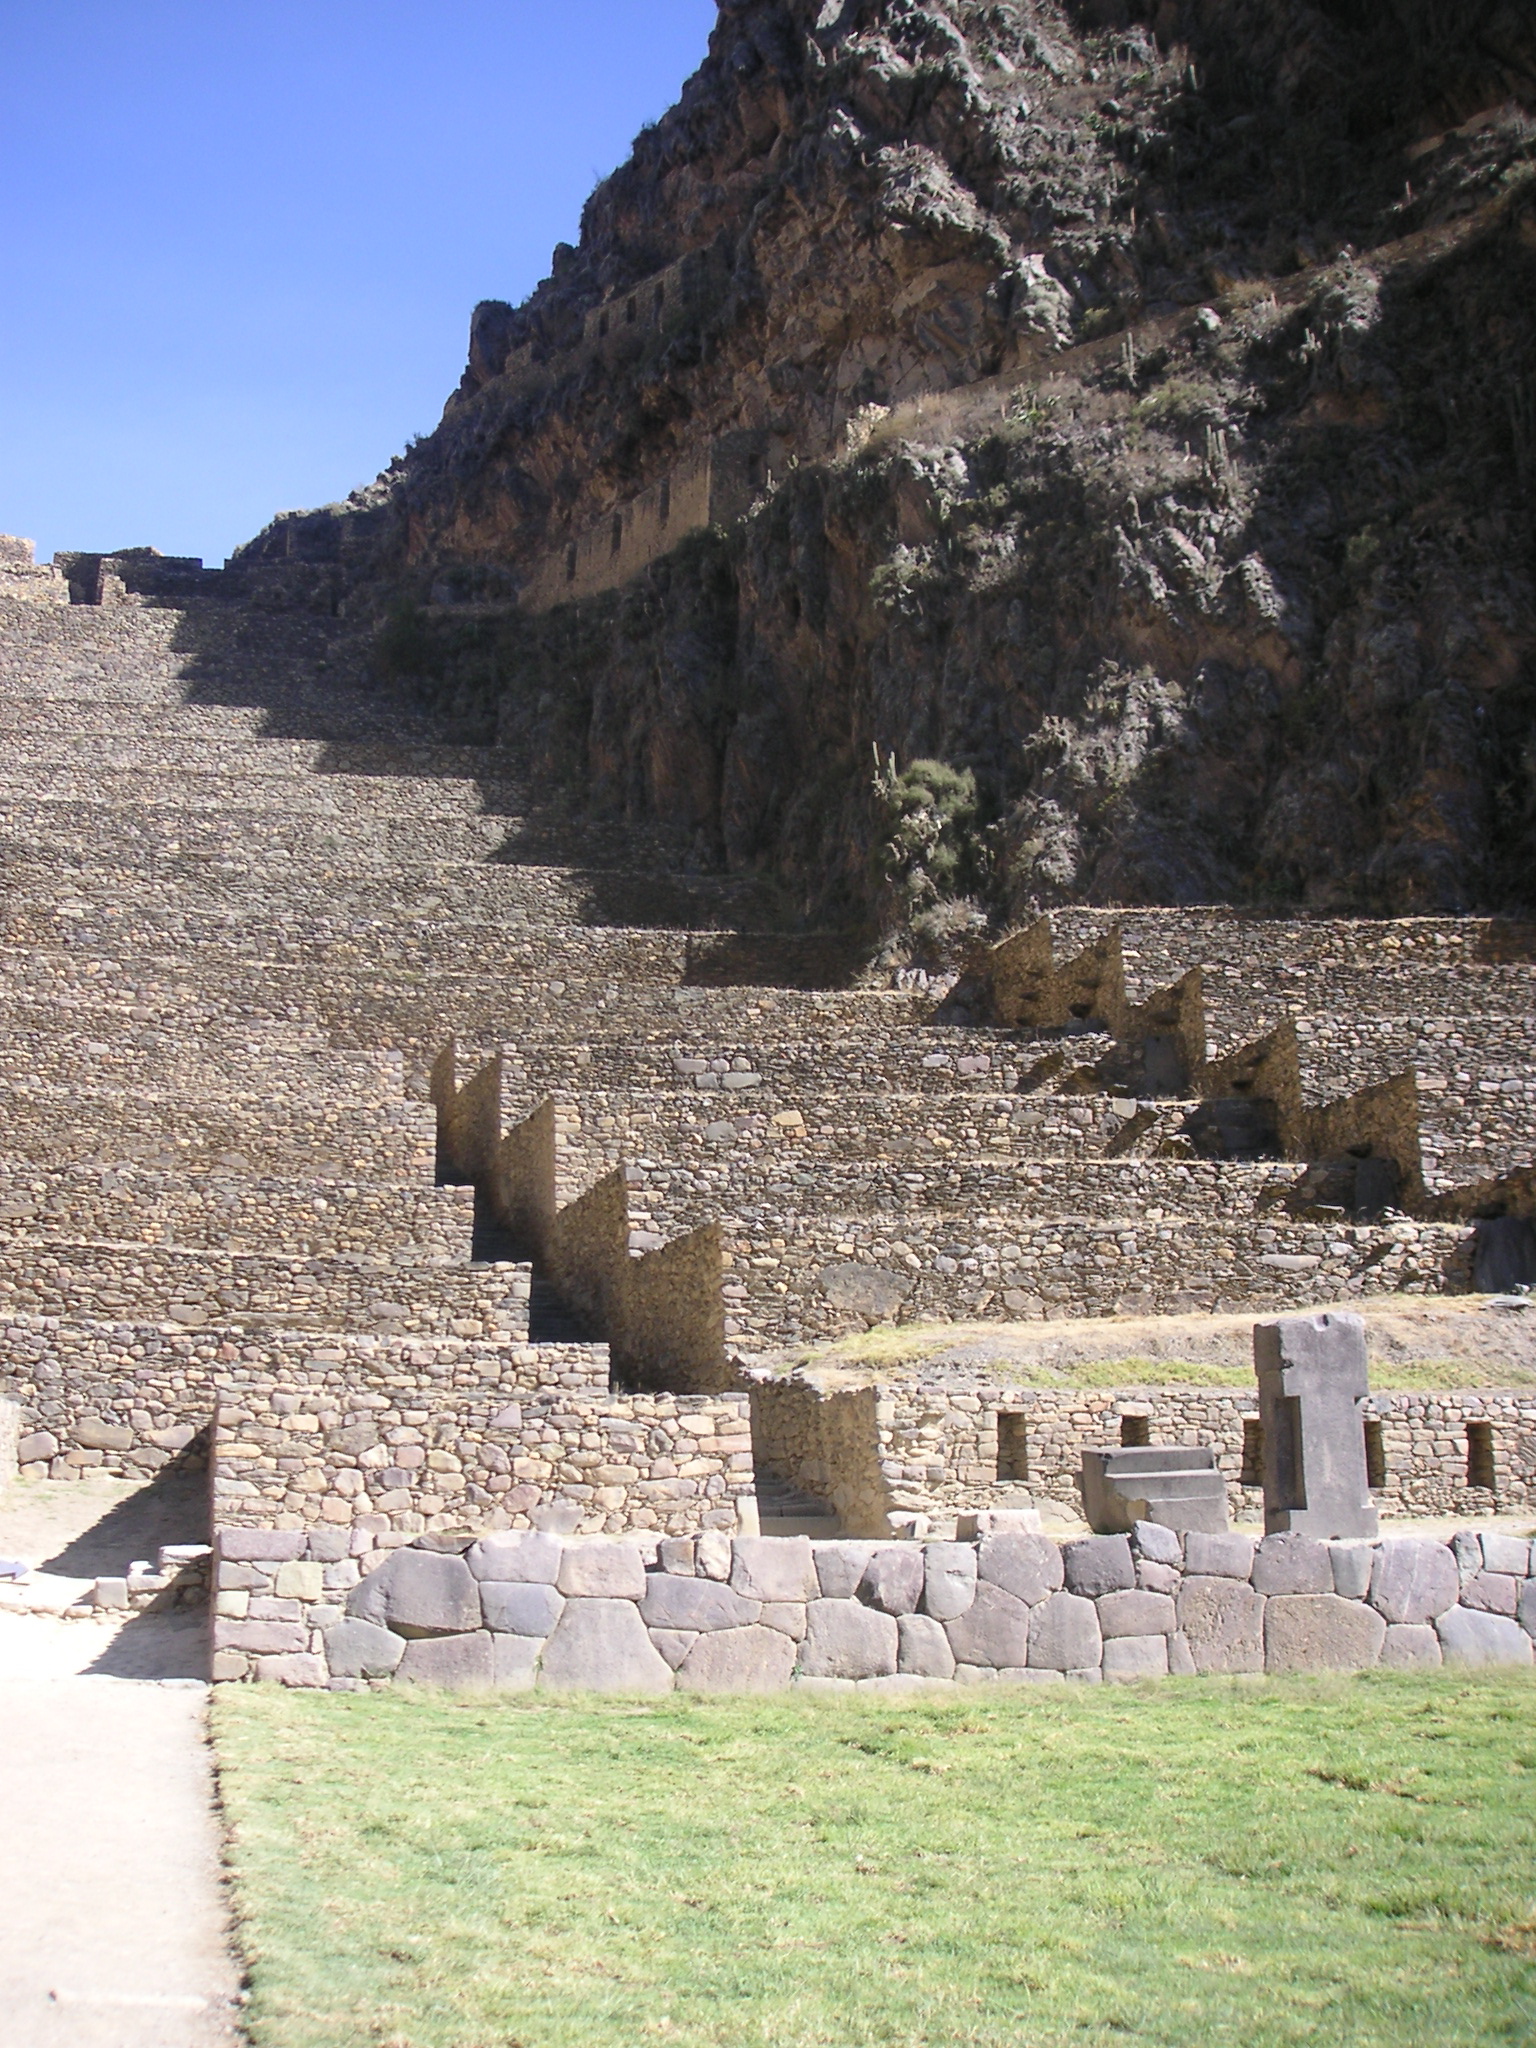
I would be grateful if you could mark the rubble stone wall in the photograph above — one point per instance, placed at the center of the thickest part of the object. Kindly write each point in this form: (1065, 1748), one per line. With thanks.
(349, 1610)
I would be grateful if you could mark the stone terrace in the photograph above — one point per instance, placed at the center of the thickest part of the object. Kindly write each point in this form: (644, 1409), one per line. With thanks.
(249, 898)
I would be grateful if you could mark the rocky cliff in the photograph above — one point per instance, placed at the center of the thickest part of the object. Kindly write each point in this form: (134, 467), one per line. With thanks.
(1131, 418)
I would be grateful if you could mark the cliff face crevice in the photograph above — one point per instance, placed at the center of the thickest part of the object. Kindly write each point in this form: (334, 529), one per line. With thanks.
(1144, 411)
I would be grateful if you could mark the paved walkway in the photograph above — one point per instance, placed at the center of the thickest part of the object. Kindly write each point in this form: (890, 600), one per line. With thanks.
(112, 1911)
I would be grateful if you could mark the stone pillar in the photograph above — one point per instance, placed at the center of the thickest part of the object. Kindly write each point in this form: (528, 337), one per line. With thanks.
(1312, 1389)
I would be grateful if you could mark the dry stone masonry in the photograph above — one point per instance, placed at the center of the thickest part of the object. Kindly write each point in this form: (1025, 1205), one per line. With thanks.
(440, 1170)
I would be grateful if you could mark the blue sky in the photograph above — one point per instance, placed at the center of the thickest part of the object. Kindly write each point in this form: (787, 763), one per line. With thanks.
(242, 238)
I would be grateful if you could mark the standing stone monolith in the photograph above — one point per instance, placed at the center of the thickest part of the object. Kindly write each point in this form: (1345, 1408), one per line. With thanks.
(1312, 1387)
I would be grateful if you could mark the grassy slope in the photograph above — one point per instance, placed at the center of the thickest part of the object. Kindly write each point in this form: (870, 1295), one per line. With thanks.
(1348, 1861)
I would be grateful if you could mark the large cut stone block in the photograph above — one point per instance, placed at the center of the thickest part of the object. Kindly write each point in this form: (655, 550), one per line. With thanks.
(514, 1660)
(1028, 1567)
(695, 1604)
(1175, 1485)
(1351, 1564)
(1157, 1543)
(271, 1638)
(924, 1649)
(601, 1571)
(1414, 1579)
(1228, 1556)
(1321, 1632)
(1287, 1563)
(840, 1566)
(1312, 1392)
(1410, 1646)
(774, 1568)
(949, 1579)
(1064, 1634)
(1099, 1564)
(1222, 1623)
(1137, 1614)
(1128, 1658)
(515, 1609)
(602, 1646)
(359, 1649)
(846, 1640)
(418, 1593)
(457, 1663)
(1467, 1637)
(1525, 1611)
(263, 1546)
(893, 1580)
(751, 1659)
(1493, 1592)
(520, 1556)
(993, 1631)
(1503, 1553)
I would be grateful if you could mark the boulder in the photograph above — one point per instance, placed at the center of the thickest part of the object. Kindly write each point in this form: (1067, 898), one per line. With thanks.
(893, 1580)
(1028, 1567)
(1410, 1646)
(601, 1571)
(456, 1663)
(923, 1648)
(696, 1604)
(751, 1659)
(839, 1567)
(1287, 1563)
(1227, 1556)
(1470, 1638)
(774, 1568)
(1137, 1614)
(517, 1556)
(1222, 1622)
(1321, 1632)
(602, 1646)
(516, 1608)
(846, 1640)
(360, 1649)
(1414, 1579)
(949, 1579)
(1064, 1630)
(1098, 1564)
(993, 1631)
(418, 1593)
(1128, 1658)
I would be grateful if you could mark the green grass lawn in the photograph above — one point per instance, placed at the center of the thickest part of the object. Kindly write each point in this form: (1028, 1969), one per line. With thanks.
(1346, 1862)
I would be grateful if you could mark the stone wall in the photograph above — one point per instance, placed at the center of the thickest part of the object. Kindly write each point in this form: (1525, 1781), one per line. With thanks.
(938, 1443)
(10, 1436)
(24, 580)
(834, 1447)
(708, 1614)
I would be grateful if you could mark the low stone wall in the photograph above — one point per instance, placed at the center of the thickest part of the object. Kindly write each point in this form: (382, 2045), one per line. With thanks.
(941, 1445)
(716, 1615)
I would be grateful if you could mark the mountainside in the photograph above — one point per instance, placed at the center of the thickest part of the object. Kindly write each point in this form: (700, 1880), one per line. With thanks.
(1126, 414)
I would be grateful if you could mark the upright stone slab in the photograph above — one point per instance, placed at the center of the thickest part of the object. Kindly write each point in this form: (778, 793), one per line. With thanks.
(1312, 1387)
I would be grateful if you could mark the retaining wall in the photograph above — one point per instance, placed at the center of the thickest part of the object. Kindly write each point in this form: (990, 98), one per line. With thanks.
(712, 1614)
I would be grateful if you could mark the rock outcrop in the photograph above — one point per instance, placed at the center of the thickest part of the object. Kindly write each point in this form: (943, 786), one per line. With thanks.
(1131, 408)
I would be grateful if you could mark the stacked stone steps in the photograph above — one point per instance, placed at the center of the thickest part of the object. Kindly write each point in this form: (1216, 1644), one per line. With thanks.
(198, 1288)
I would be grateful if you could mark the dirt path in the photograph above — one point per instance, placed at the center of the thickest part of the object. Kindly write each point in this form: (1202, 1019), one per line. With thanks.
(113, 1921)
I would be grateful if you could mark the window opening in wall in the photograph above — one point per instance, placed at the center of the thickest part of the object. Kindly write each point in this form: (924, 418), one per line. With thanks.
(664, 501)
(1135, 1430)
(1480, 1470)
(1252, 1473)
(570, 563)
(618, 532)
(631, 309)
(1012, 1446)
(1375, 1454)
